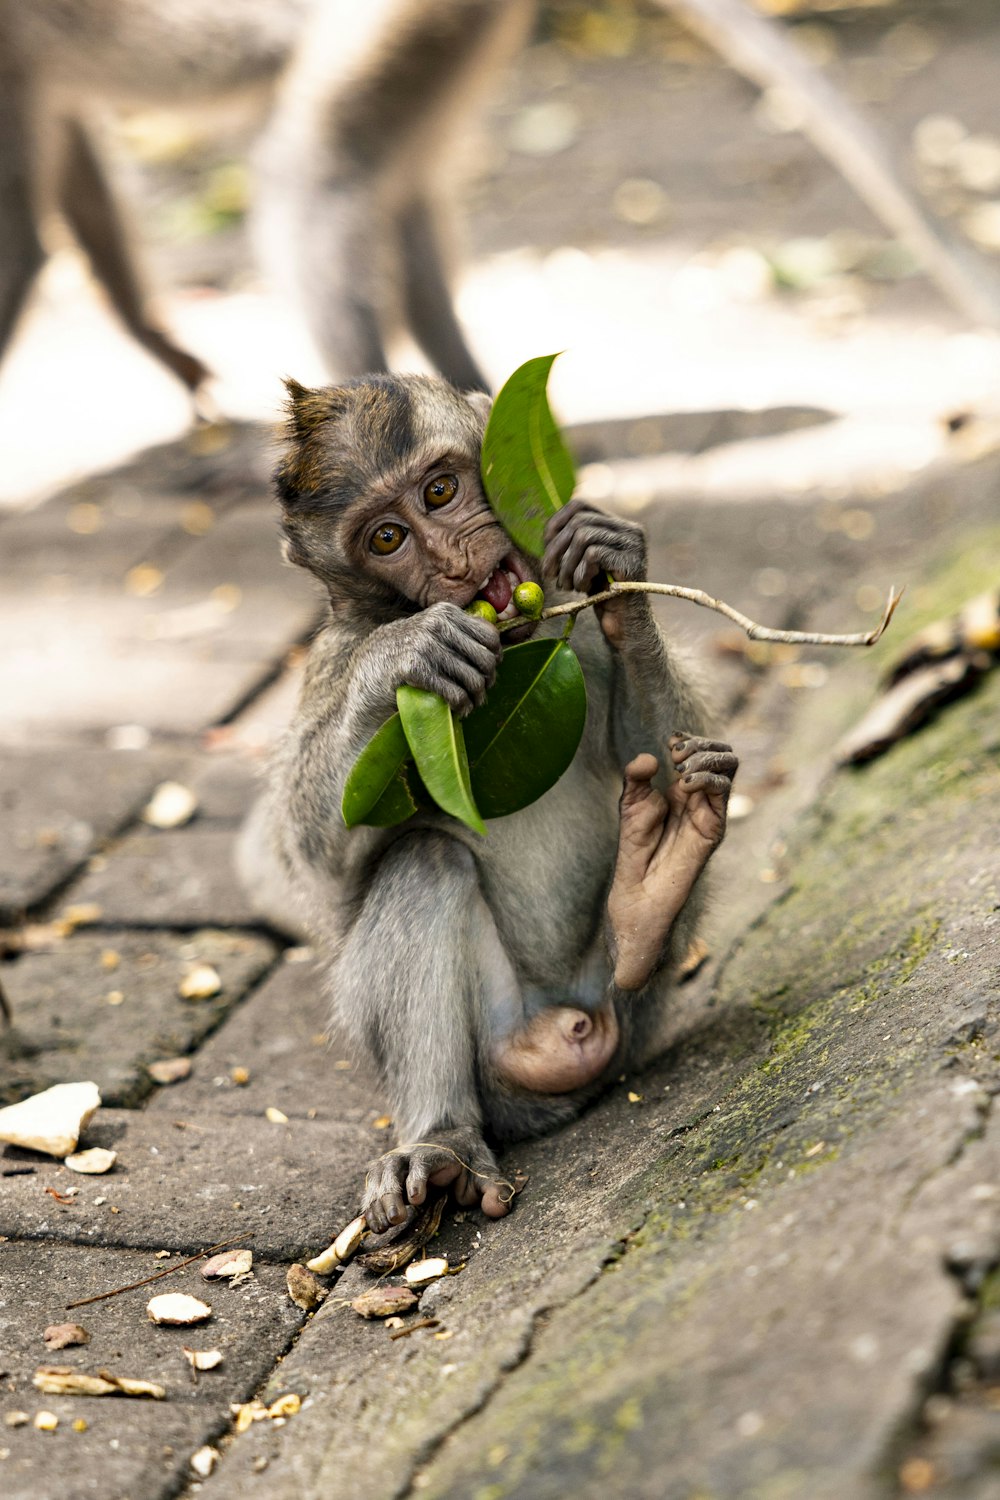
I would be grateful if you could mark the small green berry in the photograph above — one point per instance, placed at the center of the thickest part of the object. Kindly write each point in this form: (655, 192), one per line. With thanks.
(529, 600)
(482, 609)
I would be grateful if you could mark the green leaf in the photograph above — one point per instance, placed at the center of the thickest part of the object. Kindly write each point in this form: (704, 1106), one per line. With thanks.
(525, 735)
(375, 771)
(435, 737)
(398, 802)
(527, 472)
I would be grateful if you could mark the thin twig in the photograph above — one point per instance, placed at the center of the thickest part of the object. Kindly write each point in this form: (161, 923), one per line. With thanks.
(212, 1250)
(404, 1333)
(754, 631)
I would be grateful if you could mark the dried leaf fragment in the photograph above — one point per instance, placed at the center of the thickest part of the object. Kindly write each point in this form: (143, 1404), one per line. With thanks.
(422, 1227)
(200, 983)
(171, 806)
(385, 1301)
(420, 1272)
(247, 1413)
(285, 1406)
(305, 1290)
(226, 1264)
(63, 1380)
(203, 1359)
(169, 1070)
(63, 1335)
(177, 1308)
(93, 1163)
(52, 1120)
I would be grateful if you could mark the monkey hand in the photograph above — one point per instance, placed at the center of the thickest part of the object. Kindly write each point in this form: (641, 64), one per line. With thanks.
(583, 545)
(664, 843)
(447, 652)
(458, 1159)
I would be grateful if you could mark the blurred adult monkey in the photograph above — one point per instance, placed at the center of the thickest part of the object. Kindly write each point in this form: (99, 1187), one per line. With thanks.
(365, 98)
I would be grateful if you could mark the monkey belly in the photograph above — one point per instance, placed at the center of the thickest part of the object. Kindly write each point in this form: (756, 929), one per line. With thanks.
(560, 1050)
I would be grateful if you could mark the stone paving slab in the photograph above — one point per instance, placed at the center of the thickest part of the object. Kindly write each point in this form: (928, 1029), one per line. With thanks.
(174, 641)
(282, 1036)
(137, 1448)
(181, 877)
(102, 1005)
(70, 680)
(56, 805)
(186, 1181)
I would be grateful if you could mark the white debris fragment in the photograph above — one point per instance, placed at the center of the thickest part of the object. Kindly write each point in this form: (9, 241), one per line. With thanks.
(50, 1121)
(93, 1162)
(326, 1261)
(202, 1359)
(348, 1240)
(177, 1307)
(420, 1272)
(171, 806)
(200, 983)
(204, 1461)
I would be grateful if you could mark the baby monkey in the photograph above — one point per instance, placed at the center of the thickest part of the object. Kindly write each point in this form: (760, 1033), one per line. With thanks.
(497, 983)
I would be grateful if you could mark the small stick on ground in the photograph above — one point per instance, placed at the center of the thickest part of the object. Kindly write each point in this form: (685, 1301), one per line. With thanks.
(212, 1249)
(402, 1333)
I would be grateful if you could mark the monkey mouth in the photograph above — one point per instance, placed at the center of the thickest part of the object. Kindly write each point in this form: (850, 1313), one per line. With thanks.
(498, 589)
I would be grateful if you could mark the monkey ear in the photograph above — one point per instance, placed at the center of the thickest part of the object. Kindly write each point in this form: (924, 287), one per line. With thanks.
(308, 408)
(481, 404)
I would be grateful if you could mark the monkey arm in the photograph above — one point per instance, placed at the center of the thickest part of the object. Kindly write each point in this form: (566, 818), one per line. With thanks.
(650, 694)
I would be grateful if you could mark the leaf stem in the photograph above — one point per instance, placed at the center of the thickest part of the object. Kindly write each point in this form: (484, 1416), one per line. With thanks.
(753, 630)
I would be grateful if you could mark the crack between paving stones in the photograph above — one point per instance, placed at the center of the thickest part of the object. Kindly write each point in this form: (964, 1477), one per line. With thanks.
(617, 1251)
(935, 1380)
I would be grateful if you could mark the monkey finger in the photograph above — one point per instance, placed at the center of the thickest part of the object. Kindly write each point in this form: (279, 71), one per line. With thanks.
(566, 516)
(722, 762)
(706, 781)
(682, 746)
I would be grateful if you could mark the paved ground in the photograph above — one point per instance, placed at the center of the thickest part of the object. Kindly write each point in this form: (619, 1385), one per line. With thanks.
(761, 1269)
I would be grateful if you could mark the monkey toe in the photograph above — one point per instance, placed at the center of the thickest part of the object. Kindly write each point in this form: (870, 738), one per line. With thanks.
(458, 1159)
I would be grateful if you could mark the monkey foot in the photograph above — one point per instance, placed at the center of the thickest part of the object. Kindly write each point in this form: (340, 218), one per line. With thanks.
(664, 843)
(458, 1159)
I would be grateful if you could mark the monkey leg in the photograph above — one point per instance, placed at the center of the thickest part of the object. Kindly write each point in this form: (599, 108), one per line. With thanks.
(427, 299)
(21, 253)
(87, 201)
(665, 840)
(409, 981)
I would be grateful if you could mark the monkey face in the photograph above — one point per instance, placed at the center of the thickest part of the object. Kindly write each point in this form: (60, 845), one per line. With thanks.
(383, 501)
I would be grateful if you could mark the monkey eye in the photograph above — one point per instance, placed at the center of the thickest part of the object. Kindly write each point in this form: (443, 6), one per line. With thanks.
(388, 538)
(440, 490)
